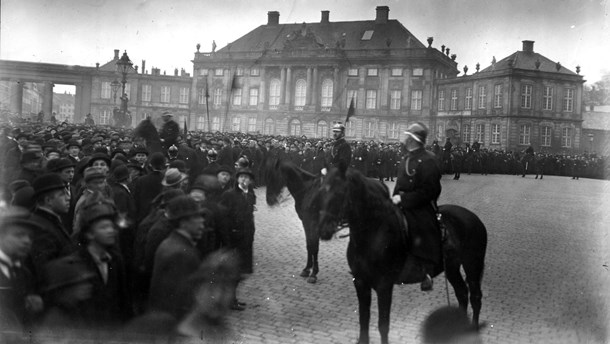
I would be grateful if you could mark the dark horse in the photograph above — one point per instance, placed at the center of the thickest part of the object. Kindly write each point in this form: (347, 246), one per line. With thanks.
(378, 247)
(303, 187)
(147, 131)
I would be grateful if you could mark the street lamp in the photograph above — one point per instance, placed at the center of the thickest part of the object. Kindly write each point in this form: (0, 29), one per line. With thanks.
(123, 66)
(115, 84)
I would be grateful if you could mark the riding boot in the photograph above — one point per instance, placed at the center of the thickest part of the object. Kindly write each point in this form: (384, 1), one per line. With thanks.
(427, 283)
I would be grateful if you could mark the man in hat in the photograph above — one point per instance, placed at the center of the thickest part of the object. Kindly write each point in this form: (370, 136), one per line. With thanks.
(65, 168)
(95, 181)
(53, 240)
(30, 165)
(340, 152)
(174, 179)
(170, 130)
(147, 187)
(177, 257)
(89, 120)
(73, 148)
(417, 189)
(18, 300)
(140, 154)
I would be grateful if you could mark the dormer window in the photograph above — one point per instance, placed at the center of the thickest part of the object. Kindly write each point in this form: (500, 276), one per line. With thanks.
(367, 35)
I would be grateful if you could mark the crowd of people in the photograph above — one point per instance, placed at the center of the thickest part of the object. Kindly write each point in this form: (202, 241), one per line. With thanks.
(106, 231)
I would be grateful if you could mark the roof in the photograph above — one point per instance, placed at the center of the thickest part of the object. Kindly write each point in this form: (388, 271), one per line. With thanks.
(347, 35)
(596, 120)
(528, 60)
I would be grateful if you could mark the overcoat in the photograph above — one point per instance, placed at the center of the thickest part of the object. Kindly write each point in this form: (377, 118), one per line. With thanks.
(238, 235)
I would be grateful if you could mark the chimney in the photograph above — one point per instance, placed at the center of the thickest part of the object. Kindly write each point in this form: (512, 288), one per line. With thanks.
(382, 14)
(324, 19)
(116, 54)
(528, 46)
(273, 18)
(176, 72)
(143, 66)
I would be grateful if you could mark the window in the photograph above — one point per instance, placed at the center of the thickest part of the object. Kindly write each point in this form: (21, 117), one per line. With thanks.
(327, 94)
(394, 130)
(396, 72)
(255, 72)
(546, 136)
(294, 129)
(200, 123)
(440, 130)
(371, 99)
(482, 97)
(236, 124)
(468, 102)
(274, 94)
(239, 72)
(128, 90)
(524, 134)
(466, 133)
(453, 100)
(237, 96)
(367, 35)
(203, 72)
(253, 96)
(215, 123)
(184, 95)
(369, 129)
(146, 93)
(416, 97)
(182, 120)
(251, 124)
(526, 96)
(568, 101)
(566, 137)
(479, 134)
(495, 134)
(350, 129)
(441, 100)
(218, 72)
(395, 98)
(372, 72)
(352, 94)
(300, 93)
(352, 72)
(322, 129)
(498, 96)
(217, 97)
(201, 96)
(165, 94)
(269, 128)
(105, 117)
(547, 98)
(106, 90)
(418, 71)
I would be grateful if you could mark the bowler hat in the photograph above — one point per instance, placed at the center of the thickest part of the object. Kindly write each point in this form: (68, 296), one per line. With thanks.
(224, 168)
(47, 182)
(65, 272)
(72, 143)
(206, 183)
(244, 171)
(181, 207)
(57, 165)
(92, 173)
(179, 164)
(139, 149)
(157, 160)
(120, 173)
(172, 177)
(418, 132)
(99, 156)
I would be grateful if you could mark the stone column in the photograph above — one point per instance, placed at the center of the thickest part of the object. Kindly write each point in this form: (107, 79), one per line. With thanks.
(16, 93)
(261, 90)
(282, 86)
(309, 87)
(288, 85)
(47, 100)
(314, 88)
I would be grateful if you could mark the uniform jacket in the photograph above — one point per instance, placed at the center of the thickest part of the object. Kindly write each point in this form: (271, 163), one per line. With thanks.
(145, 190)
(340, 152)
(419, 193)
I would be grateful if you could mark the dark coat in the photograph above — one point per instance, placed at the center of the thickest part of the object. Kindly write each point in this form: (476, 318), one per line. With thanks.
(340, 153)
(225, 157)
(239, 233)
(419, 193)
(50, 242)
(13, 292)
(159, 231)
(169, 133)
(145, 190)
(175, 260)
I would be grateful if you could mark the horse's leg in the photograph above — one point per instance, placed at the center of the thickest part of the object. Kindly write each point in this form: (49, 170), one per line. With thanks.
(384, 304)
(454, 276)
(314, 247)
(305, 272)
(363, 290)
(473, 267)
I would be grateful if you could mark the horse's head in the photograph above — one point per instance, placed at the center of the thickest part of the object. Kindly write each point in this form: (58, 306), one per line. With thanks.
(332, 198)
(275, 181)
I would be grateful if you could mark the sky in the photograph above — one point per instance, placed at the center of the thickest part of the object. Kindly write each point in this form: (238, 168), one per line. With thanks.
(165, 33)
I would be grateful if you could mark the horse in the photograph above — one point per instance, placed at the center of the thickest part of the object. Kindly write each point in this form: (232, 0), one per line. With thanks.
(302, 185)
(457, 162)
(378, 248)
(147, 131)
(528, 163)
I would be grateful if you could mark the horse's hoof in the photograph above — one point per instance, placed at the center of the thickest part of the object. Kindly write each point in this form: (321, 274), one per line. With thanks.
(304, 273)
(312, 279)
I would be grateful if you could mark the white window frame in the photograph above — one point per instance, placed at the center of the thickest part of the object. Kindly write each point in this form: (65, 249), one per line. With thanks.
(482, 97)
(236, 124)
(251, 124)
(204, 71)
(466, 133)
(326, 99)
(217, 98)
(322, 129)
(546, 135)
(498, 96)
(369, 129)
(255, 72)
(105, 117)
(239, 71)
(547, 98)
(372, 72)
(416, 99)
(184, 95)
(200, 122)
(479, 133)
(418, 71)
(201, 99)
(441, 100)
(395, 99)
(468, 99)
(165, 94)
(294, 128)
(495, 134)
(237, 93)
(215, 123)
(525, 131)
(352, 94)
(253, 97)
(566, 137)
(146, 93)
(568, 101)
(350, 129)
(300, 94)
(106, 91)
(371, 99)
(275, 93)
(269, 127)
(219, 72)
(394, 130)
(396, 72)
(526, 96)
(352, 72)
(454, 100)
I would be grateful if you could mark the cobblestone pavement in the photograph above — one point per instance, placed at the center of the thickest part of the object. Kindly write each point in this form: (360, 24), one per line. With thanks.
(546, 278)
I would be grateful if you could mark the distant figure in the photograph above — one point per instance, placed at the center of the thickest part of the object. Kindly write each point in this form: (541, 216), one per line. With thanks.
(89, 120)
(449, 325)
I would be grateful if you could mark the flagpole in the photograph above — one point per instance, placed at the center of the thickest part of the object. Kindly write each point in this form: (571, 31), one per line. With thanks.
(231, 87)
(207, 106)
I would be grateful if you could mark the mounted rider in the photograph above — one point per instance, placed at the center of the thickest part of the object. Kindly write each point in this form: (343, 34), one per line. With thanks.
(417, 189)
(340, 151)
